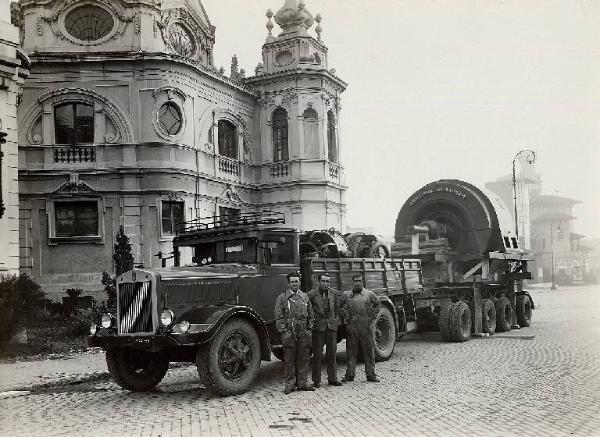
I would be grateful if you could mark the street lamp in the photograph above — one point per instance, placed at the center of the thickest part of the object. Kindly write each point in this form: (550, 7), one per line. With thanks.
(553, 287)
(530, 156)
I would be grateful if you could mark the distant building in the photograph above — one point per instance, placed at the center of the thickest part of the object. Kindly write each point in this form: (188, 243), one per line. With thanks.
(545, 225)
(126, 122)
(14, 68)
(552, 236)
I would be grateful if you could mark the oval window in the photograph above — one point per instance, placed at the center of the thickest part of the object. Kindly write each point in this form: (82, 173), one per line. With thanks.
(89, 23)
(170, 118)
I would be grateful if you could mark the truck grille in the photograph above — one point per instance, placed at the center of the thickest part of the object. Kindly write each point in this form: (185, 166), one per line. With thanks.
(135, 307)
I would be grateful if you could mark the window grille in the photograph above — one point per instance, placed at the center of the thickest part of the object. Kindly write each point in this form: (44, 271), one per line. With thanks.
(89, 23)
(280, 135)
(74, 123)
(228, 143)
(170, 118)
(76, 219)
(172, 214)
(331, 138)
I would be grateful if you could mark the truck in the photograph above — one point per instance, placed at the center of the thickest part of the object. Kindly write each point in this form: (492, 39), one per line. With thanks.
(455, 267)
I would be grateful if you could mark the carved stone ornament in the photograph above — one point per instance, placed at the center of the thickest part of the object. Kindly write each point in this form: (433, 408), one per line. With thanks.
(185, 35)
(74, 186)
(231, 195)
(284, 98)
(62, 8)
(284, 58)
(110, 138)
(174, 197)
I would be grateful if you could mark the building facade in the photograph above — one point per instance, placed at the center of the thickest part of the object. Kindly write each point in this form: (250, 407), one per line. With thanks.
(14, 67)
(125, 122)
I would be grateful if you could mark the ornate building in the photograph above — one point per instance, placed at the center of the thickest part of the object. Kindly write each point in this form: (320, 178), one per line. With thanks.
(13, 70)
(125, 121)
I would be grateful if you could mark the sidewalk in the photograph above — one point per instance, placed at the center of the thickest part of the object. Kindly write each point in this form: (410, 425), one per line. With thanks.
(27, 375)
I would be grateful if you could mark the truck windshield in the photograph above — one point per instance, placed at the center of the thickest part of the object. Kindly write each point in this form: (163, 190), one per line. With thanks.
(232, 251)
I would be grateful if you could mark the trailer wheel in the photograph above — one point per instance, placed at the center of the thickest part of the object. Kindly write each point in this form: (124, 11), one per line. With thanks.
(444, 320)
(229, 363)
(488, 316)
(523, 310)
(385, 334)
(503, 314)
(460, 322)
(136, 370)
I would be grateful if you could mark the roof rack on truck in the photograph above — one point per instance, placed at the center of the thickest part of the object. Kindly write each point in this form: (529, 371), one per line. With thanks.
(222, 222)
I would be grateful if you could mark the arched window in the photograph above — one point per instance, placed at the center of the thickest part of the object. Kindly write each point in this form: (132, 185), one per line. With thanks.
(331, 138)
(280, 135)
(74, 123)
(311, 133)
(228, 141)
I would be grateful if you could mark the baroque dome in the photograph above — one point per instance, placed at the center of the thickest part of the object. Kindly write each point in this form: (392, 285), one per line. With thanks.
(293, 16)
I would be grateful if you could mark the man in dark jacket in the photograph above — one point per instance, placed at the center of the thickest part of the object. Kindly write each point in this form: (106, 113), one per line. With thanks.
(294, 320)
(360, 306)
(326, 307)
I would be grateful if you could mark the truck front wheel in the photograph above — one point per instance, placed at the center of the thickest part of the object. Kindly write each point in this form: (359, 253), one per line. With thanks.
(385, 334)
(136, 370)
(229, 363)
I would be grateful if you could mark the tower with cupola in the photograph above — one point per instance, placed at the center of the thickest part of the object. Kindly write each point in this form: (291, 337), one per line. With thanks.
(299, 115)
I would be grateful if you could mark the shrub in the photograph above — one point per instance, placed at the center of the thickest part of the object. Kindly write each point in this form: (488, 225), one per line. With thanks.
(20, 299)
(74, 292)
(80, 320)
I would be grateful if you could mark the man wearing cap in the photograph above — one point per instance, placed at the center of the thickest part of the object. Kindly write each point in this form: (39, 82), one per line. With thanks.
(294, 320)
(360, 306)
(326, 307)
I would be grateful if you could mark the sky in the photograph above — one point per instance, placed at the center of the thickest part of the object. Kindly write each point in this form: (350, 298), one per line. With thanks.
(450, 89)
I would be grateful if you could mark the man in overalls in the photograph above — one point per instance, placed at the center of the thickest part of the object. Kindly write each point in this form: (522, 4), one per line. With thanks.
(326, 308)
(294, 320)
(360, 306)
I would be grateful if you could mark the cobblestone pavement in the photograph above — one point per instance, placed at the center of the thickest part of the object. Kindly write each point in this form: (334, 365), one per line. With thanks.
(538, 381)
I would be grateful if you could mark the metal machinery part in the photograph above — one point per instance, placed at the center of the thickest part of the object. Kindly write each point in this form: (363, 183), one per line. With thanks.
(332, 244)
(473, 220)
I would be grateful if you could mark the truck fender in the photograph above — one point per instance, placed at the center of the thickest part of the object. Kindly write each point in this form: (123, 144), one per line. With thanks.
(218, 318)
(385, 301)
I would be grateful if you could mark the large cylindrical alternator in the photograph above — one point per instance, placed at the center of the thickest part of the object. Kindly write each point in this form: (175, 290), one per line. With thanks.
(474, 221)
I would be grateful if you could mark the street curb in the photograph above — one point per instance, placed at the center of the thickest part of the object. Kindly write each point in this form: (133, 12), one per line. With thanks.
(64, 382)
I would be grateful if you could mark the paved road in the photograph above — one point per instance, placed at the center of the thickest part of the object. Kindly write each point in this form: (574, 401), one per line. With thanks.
(538, 381)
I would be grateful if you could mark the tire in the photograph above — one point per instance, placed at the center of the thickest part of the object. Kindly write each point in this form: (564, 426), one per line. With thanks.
(523, 310)
(488, 316)
(460, 322)
(379, 250)
(385, 334)
(503, 315)
(136, 370)
(444, 320)
(278, 353)
(229, 363)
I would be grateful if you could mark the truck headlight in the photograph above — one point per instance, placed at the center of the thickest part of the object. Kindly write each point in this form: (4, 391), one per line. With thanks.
(167, 317)
(106, 320)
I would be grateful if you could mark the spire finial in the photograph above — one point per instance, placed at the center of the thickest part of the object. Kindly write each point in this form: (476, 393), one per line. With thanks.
(318, 29)
(270, 25)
